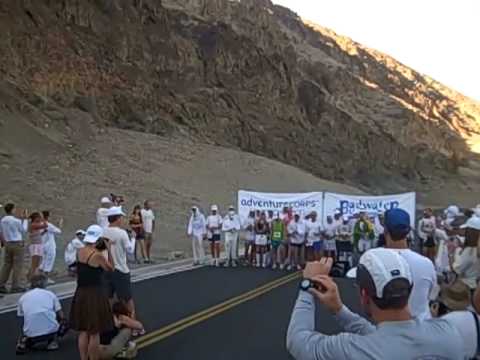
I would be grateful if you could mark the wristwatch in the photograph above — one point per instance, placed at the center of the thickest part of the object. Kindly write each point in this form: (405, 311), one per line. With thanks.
(306, 284)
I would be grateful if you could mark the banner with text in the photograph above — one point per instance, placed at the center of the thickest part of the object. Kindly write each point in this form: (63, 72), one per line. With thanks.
(352, 204)
(300, 202)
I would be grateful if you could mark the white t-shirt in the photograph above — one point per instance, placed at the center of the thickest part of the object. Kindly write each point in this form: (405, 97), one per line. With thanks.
(297, 229)
(71, 251)
(313, 230)
(102, 217)
(426, 227)
(12, 228)
(49, 236)
(249, 233)
(467, 266)
(147, 218)
(465, 324)
(121, 244)
(330, 230)
(214, 221)
(424, 283)
(39, 307)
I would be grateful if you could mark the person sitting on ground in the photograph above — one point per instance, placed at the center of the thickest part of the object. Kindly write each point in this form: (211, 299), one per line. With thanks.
(385, 282)
(116, 342)
(71, 251)
(43, 320)
(425, 288)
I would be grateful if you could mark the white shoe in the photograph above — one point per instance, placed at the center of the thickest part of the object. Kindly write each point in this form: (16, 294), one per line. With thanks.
(264, 266)
(282, 266)
(50, 282)
(274, 266)
(289, 267)
(217, 263)
(226, 264)
(257, 265)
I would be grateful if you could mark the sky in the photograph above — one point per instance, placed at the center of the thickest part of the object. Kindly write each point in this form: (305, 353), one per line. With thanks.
(440, 38)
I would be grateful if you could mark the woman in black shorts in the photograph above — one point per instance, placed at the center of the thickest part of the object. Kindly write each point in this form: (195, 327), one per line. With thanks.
(90, 313)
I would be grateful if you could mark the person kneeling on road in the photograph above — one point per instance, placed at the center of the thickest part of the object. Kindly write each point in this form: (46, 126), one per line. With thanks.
(385, 283)
(116, 343)
(43, 320)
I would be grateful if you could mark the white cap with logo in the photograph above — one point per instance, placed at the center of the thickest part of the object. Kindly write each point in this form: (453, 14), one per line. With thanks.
(472, 223)
(115, 210)
(94, 232)
(385, 265)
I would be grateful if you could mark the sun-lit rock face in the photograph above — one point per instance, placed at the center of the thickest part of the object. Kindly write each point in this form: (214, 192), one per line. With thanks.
(242, 74)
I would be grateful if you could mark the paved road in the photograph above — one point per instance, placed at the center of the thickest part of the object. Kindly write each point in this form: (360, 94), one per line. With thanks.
(230, 314)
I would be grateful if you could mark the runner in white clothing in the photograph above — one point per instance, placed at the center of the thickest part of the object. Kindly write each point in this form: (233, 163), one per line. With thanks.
(296, 233)
(197, 228)
(49, 246)
(71, 251)
(214, 228)
(231, 228)
(148, 221)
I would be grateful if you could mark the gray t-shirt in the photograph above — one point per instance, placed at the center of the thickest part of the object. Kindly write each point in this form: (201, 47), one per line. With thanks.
(401, 340)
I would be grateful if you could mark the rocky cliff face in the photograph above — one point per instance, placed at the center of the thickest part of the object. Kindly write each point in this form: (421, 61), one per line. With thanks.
(242, 74)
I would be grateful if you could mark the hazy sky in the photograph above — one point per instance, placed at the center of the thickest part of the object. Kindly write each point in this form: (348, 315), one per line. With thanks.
(440, 38)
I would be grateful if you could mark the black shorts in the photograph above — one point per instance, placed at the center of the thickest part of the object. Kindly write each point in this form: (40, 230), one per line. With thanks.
(429, 243)
(119, 284)
(296, 245)
(215, 237)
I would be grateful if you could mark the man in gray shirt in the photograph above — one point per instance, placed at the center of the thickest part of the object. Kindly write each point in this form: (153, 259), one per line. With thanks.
(385, 283)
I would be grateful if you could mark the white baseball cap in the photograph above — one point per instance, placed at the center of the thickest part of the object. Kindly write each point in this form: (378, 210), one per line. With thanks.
(94, 232)
(115, 210)
(472, 223)
(337, 212)
(384, 265)
(105, 200)
(214, 208)
(80, 232)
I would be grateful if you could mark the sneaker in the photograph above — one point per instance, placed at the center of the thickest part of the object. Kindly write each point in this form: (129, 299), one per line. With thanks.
(50, 282)
(195, 263)
(289, 267)
(264, 265)
(3, 290)
(282, 266)
(274, 266)
(226, 264)
(52, 346)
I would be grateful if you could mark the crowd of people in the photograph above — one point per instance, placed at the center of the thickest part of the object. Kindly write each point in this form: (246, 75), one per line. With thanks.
(421, 306)
(103, 309)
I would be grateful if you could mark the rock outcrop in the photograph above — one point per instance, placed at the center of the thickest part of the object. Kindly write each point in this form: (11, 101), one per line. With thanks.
(243, 74)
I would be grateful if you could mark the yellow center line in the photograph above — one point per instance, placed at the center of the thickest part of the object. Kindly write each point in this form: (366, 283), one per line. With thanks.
(212, 311)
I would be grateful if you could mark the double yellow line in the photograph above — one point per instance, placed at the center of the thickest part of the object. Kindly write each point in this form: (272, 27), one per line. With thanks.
(203, 315)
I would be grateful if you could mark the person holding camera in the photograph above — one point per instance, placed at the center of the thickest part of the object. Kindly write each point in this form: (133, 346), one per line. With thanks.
(90, 312)
(385, 282)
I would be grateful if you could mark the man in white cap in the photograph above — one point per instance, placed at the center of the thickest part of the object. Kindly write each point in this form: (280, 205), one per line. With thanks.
(385, 282)
(197, 230)
(102, 212)
(231, 227)
(214, 230)
(118, 281)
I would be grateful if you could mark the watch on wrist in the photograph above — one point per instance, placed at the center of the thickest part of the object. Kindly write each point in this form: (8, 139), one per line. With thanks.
(306, 284)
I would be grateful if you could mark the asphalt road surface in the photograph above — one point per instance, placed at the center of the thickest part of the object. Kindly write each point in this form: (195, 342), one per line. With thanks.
(207, 313)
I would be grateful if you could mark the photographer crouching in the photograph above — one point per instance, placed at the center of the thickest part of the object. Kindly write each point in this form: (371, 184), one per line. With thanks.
(385, 282)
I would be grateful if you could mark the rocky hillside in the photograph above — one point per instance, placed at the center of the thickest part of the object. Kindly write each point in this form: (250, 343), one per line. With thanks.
(240, 74)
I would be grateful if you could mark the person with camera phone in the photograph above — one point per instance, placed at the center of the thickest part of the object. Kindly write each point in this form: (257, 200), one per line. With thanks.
(385, 283)
(90, 313)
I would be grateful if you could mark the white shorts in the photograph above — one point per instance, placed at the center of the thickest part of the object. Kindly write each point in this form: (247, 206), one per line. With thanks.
(364, 245)
(36, 250)
(261, 240)
(330, 245)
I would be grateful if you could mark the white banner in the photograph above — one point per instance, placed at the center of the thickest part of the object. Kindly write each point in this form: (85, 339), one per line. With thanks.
(351, 204)
(300, 202)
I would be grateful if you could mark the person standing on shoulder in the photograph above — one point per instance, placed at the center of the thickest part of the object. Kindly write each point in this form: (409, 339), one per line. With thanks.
(136, 225)
(249, 233)
(397, 227)
(49, 246)
(105, 204)
(197, 226)
(13, 230)
(426, 234)
(231, 228)
(148, 220)
(278, 232)
(214, 230)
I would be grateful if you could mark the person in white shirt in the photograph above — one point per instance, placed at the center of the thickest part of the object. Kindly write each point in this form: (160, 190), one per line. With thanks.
(105, 204)
(231, 228)
(313, 229)
(466, 262)
(118, 281)
(148, 220)
(378, 228)
(248, 227)
(71, 251)
(426, 233)
(296, 234)
(13, 230)
(42, 315)
(443, 241)
(49, 246)
(197, 228)
(214, 229)
(262, 230)
(329, 242)
(425, 287)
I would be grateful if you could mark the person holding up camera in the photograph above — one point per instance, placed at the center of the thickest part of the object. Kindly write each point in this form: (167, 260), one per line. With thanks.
(385, 282)
(90, 312)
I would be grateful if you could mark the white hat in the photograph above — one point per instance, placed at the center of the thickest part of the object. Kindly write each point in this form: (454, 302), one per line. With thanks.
(472, 223)
(105, 200)
(80, 232)
(345, 218)
(214, 208)
(337, 212)
(115, 210)
(231, 207)
(94, 232)
(385, 265)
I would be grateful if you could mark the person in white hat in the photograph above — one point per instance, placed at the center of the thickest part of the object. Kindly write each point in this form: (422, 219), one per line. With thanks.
(466, 261)
(214, 231)
(385, 282)
(231, 228)
(105, 204)
(197, 228)
(71, 251)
